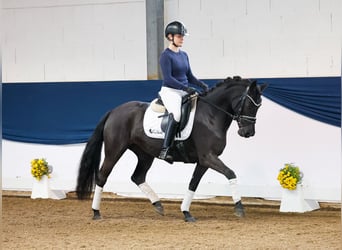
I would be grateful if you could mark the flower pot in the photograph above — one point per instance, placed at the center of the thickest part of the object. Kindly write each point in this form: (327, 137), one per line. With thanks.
(293, 201)
(41, 189)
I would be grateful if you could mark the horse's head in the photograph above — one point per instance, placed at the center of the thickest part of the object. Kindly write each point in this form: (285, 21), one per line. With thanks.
(236, 99)
(247, 107)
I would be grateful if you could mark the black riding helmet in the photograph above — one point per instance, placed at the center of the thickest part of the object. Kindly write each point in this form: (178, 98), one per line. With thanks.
(175, 28)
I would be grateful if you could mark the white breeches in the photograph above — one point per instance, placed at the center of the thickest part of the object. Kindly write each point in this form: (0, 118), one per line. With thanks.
(172, 99)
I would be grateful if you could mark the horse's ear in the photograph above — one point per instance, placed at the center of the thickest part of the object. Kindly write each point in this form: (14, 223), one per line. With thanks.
(262, 87)
(253, 84)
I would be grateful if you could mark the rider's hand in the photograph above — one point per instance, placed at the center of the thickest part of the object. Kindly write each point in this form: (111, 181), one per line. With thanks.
(204, 87)
(191, 90)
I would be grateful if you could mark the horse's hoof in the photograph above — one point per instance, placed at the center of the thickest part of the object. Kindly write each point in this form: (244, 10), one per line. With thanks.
(97, 215)
(239, 211)
(158, 207)
(188, 217)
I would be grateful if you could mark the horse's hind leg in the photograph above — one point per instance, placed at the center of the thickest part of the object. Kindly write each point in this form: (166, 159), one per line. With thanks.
(101, 179)
(139, 178)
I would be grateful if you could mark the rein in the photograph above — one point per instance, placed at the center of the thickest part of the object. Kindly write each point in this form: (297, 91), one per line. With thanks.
(234, 117)
(238, 117)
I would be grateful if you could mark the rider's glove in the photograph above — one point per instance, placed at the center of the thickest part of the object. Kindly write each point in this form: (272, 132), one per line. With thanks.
(204, 86)
(191, 90)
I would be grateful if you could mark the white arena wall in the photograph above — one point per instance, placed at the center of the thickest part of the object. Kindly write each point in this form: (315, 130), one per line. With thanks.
(87, 40)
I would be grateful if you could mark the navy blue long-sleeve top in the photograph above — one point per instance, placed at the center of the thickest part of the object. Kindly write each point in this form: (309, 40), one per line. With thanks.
(176, 70)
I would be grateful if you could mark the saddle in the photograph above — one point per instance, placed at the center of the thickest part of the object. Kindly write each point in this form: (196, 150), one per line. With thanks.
(156, 118)
(157, 105)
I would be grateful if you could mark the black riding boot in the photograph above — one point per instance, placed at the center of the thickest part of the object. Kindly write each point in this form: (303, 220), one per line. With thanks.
(170, 133)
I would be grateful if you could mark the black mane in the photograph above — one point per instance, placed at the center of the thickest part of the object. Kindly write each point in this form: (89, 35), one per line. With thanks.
(228, 81)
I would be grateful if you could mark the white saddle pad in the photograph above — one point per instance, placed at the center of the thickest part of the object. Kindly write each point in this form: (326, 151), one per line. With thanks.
(152, 123)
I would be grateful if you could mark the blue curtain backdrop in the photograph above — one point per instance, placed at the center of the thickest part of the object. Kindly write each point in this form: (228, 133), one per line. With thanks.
(67, 113)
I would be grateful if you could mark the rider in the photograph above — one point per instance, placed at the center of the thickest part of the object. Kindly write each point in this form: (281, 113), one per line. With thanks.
(177, 76)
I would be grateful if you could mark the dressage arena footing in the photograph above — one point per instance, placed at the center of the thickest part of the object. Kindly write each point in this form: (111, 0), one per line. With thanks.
(218, 200)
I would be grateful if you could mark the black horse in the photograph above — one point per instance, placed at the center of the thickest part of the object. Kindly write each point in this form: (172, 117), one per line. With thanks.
(122, 128)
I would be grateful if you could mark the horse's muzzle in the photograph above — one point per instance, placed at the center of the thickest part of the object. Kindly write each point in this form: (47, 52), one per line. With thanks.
(247, 131)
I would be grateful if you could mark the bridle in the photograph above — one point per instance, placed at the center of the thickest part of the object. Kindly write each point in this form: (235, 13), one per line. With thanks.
(244, 97)
(238, 116)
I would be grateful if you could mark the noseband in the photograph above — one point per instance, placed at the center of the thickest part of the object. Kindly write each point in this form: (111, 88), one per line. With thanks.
(239, 117)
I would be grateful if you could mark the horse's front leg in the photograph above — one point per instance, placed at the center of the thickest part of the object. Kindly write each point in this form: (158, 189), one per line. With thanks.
(213, 162)
(195, 180)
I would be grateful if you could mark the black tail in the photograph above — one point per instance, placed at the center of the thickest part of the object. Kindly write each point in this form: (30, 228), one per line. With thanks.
(90, 161)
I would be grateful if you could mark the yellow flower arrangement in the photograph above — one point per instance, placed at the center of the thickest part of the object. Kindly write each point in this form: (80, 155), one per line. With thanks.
(290, 176)
(39, 168)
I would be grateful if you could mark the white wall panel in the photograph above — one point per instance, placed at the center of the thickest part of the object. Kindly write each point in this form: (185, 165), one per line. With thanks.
(78, 38)
(261, 38)
(269, 38)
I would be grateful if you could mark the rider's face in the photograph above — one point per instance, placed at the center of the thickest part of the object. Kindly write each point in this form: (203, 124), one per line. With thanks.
(178, 40)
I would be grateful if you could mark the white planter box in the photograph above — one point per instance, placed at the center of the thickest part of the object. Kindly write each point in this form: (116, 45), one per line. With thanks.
(41, 189)
(293, 201)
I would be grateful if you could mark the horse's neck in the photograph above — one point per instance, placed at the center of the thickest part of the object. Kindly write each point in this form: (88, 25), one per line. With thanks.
(222, 98)
(221, 108)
